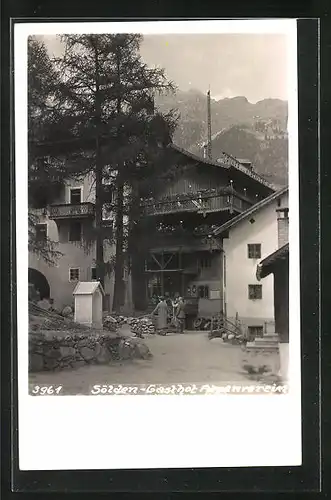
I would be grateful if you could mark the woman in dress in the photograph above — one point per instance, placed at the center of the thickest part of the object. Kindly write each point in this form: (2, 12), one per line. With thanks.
(161, 311)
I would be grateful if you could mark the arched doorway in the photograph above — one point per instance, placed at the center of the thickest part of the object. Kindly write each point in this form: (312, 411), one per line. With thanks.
(40, 283)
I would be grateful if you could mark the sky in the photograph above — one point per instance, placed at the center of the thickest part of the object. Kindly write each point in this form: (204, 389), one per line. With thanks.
(250, 65)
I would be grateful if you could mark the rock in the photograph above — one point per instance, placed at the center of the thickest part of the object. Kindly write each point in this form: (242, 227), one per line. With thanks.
(110, 323)
(104, 356)
(126, 350)
(110, 319)
(36, 362)
(78, 363)
(142, 351)
(52, 358)
(88, 354)
(44, 304)
(67, 351)
(63, 349)
(67, 311)
(139, 348)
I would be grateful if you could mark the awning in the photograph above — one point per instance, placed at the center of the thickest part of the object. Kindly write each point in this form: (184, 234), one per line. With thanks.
(267, 265)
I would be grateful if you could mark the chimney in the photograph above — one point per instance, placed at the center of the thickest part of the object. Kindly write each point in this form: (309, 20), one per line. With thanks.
(283, 223)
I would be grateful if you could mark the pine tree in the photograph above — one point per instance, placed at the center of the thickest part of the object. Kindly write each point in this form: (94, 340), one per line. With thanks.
(45, 174)
(106, 101)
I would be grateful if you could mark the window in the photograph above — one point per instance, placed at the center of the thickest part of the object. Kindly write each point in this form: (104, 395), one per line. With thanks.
(75, 196)
(204, 262)
(255, 331)
(93, 273)
(203, 292)
(41, 232)
(254, 292)
(254, 250)
(74, 274)
(75, 231)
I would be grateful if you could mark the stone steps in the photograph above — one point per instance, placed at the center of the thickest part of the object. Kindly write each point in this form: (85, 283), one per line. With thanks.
(268, 342)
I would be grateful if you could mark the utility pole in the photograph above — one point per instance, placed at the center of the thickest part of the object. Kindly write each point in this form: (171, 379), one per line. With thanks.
(209, 151)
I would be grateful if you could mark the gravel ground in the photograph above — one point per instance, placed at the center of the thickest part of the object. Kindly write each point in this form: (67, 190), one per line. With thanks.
(186, 358)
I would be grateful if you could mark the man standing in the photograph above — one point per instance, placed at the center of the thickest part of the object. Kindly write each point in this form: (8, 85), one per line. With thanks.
(180, 314)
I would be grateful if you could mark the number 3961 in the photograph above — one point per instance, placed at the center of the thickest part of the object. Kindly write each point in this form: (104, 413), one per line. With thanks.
(46, 390)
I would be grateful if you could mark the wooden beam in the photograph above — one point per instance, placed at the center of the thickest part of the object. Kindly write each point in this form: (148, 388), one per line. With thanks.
(164, 270)
(171, 256)
(158, 263)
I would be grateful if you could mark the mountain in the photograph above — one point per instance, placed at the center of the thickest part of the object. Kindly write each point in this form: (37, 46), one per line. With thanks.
(256, 132)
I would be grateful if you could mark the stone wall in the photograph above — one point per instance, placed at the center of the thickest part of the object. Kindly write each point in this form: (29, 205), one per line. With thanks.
(54, 350)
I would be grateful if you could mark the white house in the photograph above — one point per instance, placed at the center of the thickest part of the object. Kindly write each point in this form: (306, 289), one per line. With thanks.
(247, 239)
(67, 223)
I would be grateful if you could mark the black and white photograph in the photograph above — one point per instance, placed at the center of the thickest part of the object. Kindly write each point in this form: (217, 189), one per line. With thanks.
(157, 201)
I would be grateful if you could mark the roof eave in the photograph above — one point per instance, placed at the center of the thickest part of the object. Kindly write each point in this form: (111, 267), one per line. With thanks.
(249, 211)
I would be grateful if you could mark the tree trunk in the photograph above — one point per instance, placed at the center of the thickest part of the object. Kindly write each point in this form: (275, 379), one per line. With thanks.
(136, 253)
(99, 257)
(118, 299)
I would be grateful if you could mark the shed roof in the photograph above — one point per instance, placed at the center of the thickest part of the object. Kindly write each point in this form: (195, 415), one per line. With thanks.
(87, 288)
(266, 265)
(250, 211)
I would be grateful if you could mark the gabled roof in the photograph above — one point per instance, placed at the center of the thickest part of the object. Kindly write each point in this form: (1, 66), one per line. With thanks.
(87, 288)
(265, 267)
(250, 211)
(226, 162)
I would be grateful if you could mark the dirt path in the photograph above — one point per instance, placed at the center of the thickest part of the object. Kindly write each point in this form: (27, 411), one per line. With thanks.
(187, 358)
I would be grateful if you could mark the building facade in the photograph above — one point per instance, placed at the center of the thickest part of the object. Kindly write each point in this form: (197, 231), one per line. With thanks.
(277, 265)
(247, 239)
(183, 256)
(177, 254)
(69, 223)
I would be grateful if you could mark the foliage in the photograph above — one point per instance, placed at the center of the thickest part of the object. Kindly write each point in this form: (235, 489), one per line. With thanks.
(45, 175)
(103, 97)
(45, 249)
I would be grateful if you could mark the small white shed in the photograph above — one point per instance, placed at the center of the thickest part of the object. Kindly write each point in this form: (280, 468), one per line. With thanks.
(88, 297)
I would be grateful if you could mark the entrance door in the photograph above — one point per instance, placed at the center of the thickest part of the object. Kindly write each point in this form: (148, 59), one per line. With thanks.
(172, 282)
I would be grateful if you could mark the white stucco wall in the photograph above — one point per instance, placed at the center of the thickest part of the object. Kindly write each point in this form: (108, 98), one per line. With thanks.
(74, 255)
(84, 309)
(241, 271)
(85, 183)
(97, 309)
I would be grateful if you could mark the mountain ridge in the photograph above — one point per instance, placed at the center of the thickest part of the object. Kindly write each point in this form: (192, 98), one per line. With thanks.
(257, 132)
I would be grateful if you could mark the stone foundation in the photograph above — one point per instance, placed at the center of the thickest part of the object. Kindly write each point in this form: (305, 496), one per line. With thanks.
(54, 350)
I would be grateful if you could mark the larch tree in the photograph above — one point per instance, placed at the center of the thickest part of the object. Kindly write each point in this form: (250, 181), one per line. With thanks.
(106, 101)
(45, 173)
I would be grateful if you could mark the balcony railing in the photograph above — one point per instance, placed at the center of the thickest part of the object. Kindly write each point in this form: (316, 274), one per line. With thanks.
(67, 211)
(181, 239)
(198, 203)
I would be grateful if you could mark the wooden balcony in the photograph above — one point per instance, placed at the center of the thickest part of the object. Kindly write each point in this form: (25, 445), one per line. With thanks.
(204, 203)
(183, 240)
(68, 211)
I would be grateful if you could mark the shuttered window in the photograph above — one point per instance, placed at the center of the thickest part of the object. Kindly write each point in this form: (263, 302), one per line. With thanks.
(254, 250)
(255, 292)
(74, 274)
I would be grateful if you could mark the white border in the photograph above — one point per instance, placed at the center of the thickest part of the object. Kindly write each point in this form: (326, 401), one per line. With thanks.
(220, 431)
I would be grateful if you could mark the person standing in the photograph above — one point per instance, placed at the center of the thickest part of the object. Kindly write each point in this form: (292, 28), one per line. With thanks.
(180, 314)
(161, 310)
